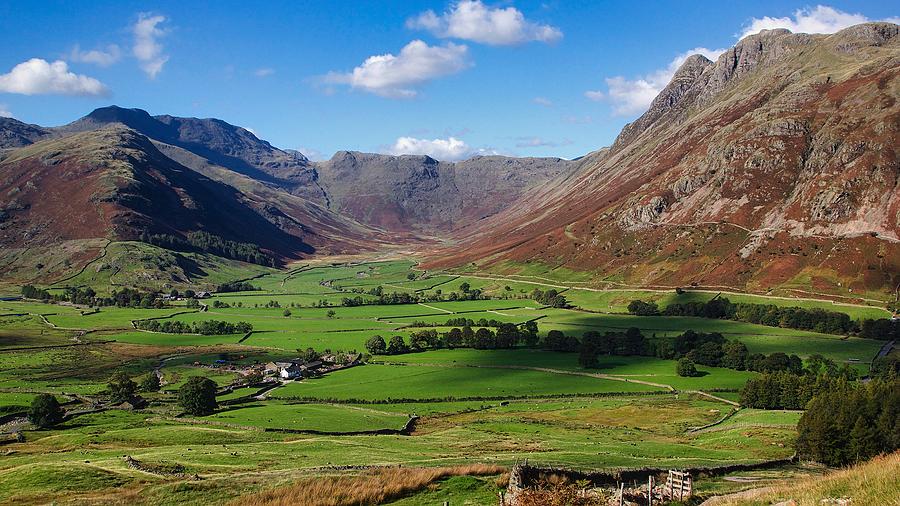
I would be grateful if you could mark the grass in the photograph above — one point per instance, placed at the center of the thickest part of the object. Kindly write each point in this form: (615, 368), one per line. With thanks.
(376, 486)
(384, 382)
(638, 368)
(609, 422)
(873, 482)
(312, 417)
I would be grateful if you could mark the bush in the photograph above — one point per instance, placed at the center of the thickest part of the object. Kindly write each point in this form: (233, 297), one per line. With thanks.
(45, 411)
(686, 368)
(376, 345)
(120, 387)
(150, 383)
(198, 396)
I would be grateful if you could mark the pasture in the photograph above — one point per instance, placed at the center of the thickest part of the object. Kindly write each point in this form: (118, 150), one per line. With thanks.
(485, 406)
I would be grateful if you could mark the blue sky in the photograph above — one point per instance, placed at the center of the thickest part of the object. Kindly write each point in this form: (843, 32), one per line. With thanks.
(527, 78)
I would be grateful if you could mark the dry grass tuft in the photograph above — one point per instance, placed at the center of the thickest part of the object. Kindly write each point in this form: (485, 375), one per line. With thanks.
(874, 482)
(374, 486)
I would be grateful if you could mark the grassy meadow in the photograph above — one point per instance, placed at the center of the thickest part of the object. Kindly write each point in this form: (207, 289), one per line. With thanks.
(484, 407)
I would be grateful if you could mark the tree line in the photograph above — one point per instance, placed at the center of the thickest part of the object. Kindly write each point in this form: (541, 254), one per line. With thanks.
(236, 286)
(847, 422)
(209, 243)
(815, 319)
(206, 327)
(466, 292)
(506, 336)
(126, 297)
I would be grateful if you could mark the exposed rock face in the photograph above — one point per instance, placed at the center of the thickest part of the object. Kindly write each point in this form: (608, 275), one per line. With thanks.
(15, 134)
(775, 166)
(419, 193)
(398, 193)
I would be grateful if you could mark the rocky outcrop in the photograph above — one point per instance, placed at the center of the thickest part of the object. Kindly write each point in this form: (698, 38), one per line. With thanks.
(419, 193)
(772, 165)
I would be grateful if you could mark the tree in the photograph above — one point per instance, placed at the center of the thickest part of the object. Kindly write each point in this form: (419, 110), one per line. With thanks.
(464, 287)
(45, 411)
(308, 355)
(454, 338)
(376, 345)
(468, 336)
(330, 313)
(150, 383)
(411, 276)
(120, 387)
(686, 368)
(397, 346)
(587, 355)
(641, 308)
(735, 355)
(198, 396)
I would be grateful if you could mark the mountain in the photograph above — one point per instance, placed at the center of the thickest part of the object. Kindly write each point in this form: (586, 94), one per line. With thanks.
(773, 168)
(113, 182)
(122, 174)
(421, 194)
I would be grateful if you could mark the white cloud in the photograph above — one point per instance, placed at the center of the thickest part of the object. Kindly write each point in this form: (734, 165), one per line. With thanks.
(147, 48)
(631, 96)
(398, 76)
(819, 19)
(4, 112)
(100, 57)
(264, 72)
(450, 149)
(578, 120)
(472, 20)
(312, 154)
(39, 77)
(595, 95)
(542, 101)
(539, 142)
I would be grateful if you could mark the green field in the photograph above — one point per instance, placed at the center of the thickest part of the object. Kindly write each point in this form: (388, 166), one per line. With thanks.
(485, 406)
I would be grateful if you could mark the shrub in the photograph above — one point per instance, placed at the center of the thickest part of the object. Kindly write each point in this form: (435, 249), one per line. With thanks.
(686, 368)
(45, 411)
(198, 396)
(120, 387)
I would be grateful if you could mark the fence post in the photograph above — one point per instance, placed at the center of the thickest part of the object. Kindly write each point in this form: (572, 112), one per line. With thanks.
(650, 490)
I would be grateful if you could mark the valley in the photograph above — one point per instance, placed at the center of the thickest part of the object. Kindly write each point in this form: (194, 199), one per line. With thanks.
(191, 315)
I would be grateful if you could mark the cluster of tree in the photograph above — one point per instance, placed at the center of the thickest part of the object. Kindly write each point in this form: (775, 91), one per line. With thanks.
(206, 327)
(714, 350)
(45, 411)
(815, 319)
(848, 422)
(550, 298)
(126, 297)
(393, 298)
(236, 286)
(883, 328)
(459, 322)
(686, 368)
(507, 335)
(31, 292)
(198, 396)
(210, 243)
(793, 388)
(120, 387)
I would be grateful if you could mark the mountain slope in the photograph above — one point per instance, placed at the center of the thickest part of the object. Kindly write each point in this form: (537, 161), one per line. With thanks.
(114, 183)
(419, 193)
(774, 167)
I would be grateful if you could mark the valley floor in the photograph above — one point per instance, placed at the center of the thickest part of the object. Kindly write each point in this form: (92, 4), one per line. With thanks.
(437, 409)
